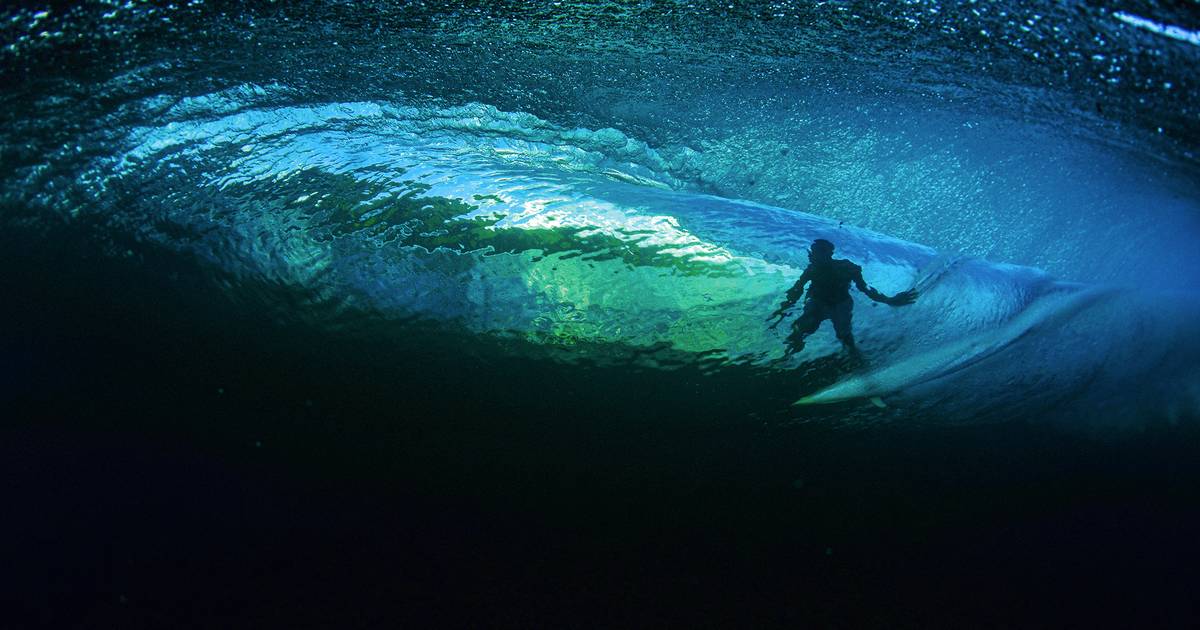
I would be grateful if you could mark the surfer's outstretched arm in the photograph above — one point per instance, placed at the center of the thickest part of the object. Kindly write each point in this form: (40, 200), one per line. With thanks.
(900, 299)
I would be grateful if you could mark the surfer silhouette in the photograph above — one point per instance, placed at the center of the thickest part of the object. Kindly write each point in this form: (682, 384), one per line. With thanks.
(829, 297)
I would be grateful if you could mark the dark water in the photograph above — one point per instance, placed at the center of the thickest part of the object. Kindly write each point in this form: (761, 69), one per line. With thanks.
(443, 314)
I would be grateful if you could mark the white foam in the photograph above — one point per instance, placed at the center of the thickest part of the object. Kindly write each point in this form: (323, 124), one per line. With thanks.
(1169, 30)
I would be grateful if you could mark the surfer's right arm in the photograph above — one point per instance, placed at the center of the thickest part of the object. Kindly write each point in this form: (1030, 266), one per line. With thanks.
(904, 298)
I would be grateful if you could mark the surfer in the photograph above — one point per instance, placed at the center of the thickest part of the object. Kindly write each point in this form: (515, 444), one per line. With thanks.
(829, 297)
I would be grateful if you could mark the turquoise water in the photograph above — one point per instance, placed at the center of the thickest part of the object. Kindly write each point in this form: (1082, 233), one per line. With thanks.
(398, 267)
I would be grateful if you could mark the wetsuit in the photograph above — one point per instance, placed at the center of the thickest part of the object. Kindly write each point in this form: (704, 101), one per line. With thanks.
(828, 298)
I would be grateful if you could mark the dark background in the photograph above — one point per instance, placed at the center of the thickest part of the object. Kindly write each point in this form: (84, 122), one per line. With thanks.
(172, 458)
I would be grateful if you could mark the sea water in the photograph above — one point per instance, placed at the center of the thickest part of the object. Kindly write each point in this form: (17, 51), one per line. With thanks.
(457, 313)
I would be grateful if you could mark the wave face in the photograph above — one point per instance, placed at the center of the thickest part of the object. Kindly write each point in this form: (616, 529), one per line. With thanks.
(638, 186)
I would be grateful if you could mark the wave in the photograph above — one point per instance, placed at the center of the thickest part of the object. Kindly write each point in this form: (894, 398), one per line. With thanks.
(1048, 141)
(582, 245)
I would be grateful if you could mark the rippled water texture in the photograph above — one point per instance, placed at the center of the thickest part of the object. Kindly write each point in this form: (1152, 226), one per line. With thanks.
(981, 129)
(563, 176)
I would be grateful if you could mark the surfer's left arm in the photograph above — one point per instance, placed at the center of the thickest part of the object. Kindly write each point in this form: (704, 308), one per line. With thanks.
(793, 295)
(900, 299)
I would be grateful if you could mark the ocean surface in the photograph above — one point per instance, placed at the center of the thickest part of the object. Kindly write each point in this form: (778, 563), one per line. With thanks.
(431, 314)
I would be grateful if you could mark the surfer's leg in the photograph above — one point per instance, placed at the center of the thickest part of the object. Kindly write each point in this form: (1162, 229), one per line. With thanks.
(805, 325)
(841, 314)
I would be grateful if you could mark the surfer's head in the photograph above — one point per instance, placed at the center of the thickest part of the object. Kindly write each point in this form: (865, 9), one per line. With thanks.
(821, 249)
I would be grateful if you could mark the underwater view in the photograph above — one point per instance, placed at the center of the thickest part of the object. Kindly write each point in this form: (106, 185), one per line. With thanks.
(617, 313)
